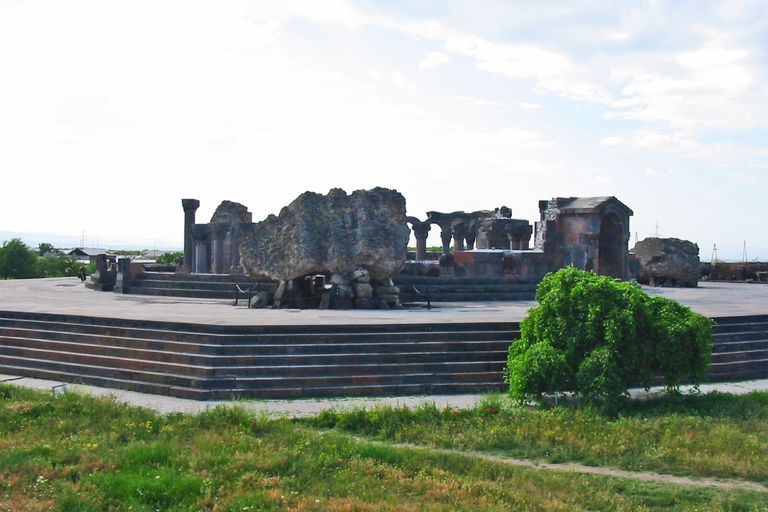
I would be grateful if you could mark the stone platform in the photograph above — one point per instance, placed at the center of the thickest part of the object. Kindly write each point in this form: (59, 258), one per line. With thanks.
(209, 349)
(68, 296)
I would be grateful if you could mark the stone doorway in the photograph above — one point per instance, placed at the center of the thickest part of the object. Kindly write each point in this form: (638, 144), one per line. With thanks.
(610, 253)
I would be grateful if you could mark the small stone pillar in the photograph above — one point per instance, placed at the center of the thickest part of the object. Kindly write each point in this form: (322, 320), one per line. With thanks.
(219, 234)
(202, 242)
(123, 282)
(471, 236)
(519, 232)
(190, 207)
(421, 232)
(445, 237)
(460, 230)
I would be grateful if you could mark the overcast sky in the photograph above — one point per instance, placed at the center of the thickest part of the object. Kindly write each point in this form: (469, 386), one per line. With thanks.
(112, 112)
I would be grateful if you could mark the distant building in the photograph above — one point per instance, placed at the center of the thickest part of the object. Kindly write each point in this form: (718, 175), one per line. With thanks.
(88, 254)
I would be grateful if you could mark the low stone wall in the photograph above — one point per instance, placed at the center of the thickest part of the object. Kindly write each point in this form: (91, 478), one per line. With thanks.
(749, 271)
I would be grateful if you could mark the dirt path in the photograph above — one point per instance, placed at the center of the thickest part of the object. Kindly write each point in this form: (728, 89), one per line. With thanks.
(643, 476)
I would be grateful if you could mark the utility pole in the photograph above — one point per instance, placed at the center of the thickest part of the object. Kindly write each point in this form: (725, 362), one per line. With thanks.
(714, 255)
(745, 251)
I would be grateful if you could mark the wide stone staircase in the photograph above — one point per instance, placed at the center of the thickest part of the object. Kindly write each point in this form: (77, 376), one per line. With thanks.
(412, 289)
(215, 362)
(741, 348)
(206, 362)
(462, 289)
(201, 286)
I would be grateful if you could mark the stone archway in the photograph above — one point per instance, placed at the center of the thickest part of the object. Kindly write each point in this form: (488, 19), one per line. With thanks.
(611, 250)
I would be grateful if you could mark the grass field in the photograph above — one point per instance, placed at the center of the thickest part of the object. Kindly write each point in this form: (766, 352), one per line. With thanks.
(73, 452)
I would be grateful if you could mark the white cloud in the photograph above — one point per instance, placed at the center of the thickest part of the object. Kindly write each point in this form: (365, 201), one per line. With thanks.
(742, 177)
(482, 103)
(399, 80)
(433, 59)
(528, 106)
(551, 72)
(519, 136)
(710, 87)
(650, 171)
(686, 145)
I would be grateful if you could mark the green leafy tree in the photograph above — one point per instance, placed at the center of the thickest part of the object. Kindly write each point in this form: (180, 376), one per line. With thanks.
(46, 248)
(169, 257)
(16, 260)
(52, 265)
(596, 336)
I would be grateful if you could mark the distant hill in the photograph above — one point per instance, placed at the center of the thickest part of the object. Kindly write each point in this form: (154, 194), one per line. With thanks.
(64, 241)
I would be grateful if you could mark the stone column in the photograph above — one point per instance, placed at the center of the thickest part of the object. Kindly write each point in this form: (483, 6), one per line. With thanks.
(445, 236)
(519, 233)
(235, 238)
(190, 206)
(459, 230)
(421, 231)
(201, 256)
(219, 234)
(200, 234)
(471, 234)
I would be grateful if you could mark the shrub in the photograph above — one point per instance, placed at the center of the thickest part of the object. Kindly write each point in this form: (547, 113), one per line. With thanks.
(169, 257)
(596, 336)
(16, 260)
(53, 265)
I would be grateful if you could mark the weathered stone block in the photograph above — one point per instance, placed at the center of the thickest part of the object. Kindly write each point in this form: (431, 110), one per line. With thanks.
(364, 290)
(668, 262)
(336, 233)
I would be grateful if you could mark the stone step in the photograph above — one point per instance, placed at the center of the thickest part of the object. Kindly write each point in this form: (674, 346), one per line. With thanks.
(134, 347)
(751, 323)
(733, 375)
(215, 361)
(197, 278)
(205, 286)
(208, 366)
(757, 367)
(406, 280)
(727, 345)
(739, 329)
(200, 286)
(463, 290)
(737, 337)
(465, 297)
(740, 356)
(326, 381)
(229, 294)
(81, 367)
(347, 390)
(285, 368)
(265, 335)
(86, 377)
(43, 357)
(261, 386)
(261, 343)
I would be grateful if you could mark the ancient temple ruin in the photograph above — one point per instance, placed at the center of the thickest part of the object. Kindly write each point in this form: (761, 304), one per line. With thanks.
(590, 233)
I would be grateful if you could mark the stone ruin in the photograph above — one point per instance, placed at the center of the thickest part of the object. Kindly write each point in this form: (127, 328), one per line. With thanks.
(357, 241)
(668, 262)
(590, 233)
(337, 250)
(342, 250)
